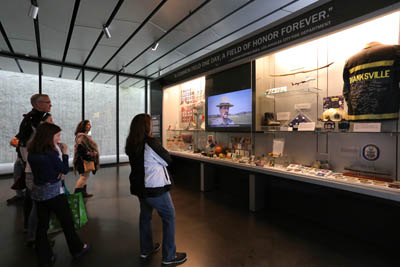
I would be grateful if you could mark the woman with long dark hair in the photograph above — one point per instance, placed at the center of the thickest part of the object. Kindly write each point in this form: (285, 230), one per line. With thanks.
(47, 167)
(151, 183)
(85, 150)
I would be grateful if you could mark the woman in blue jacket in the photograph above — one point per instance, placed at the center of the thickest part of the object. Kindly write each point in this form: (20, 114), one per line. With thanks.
(151, 183)
(48, 166)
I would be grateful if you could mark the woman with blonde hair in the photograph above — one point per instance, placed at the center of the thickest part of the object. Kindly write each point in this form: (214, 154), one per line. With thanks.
(86, 156)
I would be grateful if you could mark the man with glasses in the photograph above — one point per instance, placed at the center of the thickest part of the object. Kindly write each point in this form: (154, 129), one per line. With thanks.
(41, 105)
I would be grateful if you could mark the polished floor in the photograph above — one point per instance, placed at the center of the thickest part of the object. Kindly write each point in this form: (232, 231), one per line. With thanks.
(214, 229)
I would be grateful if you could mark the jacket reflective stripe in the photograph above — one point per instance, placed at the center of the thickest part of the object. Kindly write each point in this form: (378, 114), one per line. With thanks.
(382, 63)
(373, 116)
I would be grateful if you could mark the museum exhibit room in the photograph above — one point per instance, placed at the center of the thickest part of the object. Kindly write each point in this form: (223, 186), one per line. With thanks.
(271, 140)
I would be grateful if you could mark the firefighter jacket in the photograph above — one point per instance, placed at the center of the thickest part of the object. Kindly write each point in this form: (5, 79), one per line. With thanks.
(371, 83)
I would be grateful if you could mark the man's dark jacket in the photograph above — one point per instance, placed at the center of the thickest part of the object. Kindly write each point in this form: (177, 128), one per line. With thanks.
(31, 121)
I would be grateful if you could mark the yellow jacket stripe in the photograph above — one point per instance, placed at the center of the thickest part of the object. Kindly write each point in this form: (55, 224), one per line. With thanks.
(382, 63)
(373, 116)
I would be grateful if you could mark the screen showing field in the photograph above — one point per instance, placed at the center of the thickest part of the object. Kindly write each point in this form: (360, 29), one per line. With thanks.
(232, 109)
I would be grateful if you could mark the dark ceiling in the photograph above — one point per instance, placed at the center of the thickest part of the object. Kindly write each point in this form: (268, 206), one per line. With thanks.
(71, 31)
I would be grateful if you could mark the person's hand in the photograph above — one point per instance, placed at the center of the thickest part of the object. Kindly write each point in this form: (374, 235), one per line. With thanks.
(64, 148)
(61, 176)
(14, 142)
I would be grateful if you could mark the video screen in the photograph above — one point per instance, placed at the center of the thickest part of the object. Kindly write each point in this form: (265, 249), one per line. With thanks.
(232, 109)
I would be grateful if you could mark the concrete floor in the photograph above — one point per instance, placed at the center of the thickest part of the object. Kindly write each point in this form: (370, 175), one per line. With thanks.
(215, 231)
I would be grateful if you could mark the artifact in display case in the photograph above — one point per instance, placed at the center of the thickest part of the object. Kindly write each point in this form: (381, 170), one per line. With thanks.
(371, 82)
(300, 117)
(269, 120)
(179, 141)
(291, 108)
(334, 113)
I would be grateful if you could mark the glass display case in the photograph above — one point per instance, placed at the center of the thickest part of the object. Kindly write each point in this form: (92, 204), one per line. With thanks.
(300, 125)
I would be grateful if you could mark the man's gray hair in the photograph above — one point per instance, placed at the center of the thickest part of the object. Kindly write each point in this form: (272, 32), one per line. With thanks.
(36, 98)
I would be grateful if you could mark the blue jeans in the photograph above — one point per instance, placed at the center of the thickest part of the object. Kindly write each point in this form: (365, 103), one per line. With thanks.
(165, 208)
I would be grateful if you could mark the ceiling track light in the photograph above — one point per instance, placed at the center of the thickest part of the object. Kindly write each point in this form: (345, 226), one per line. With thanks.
(106, 31)
(154, 46)
(33, 11)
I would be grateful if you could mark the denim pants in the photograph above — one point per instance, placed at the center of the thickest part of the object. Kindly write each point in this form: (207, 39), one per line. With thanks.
(165, 208)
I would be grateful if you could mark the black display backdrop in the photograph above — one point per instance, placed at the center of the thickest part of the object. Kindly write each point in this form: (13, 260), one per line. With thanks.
(234, 79)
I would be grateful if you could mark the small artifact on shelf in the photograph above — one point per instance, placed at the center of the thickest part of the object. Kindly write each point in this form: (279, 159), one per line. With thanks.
(274, 155)
(379, 183)
(325, 165)
(271, 162)
(187, 137)
(323, 173)
(365, 181)
(395, 185)
(334, 114)
(269, 120)
(181, 145)
(337, 175)
(353, 179)
(297, 120)
(367, 175)
(344, 125)
(258, 163)
(244, 160)
(329, 125)
(218, 149)
(316, 164)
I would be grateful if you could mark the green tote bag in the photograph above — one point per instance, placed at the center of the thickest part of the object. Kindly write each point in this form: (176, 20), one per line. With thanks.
(78, 210)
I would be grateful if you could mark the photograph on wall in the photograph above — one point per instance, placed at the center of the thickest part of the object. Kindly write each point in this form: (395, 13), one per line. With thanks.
(191, 95)
(187, 114)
